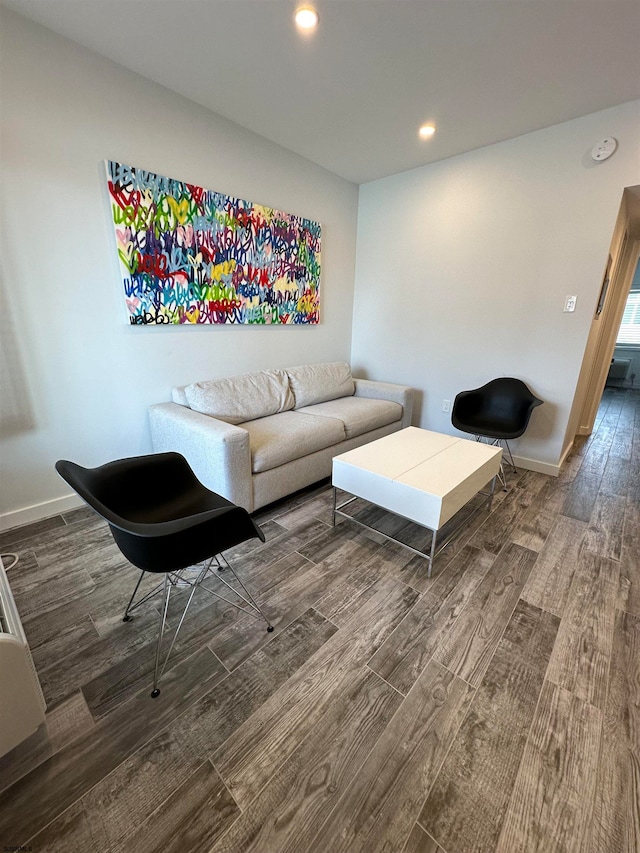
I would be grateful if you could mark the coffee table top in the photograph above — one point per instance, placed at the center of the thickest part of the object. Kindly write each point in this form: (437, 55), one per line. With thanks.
(422, 475)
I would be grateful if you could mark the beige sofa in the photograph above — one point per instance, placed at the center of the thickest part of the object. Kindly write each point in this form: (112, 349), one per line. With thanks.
(257, 437)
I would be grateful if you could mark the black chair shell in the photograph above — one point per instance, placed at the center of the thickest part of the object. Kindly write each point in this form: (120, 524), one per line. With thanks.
(499, 409)
(165, 521)
(160, 514)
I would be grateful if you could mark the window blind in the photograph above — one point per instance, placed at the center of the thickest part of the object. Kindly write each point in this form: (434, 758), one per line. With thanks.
(629, 332)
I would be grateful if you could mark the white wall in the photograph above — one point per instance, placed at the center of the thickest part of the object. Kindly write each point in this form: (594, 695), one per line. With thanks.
(77, 379)
(462, 268)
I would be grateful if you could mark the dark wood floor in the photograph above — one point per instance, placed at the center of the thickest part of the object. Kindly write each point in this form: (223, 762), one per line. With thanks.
(495, 706)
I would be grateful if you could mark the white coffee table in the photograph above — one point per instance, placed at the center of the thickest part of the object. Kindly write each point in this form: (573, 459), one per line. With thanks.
(423, 476)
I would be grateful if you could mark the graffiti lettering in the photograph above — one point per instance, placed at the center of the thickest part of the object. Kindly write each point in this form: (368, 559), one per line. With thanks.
(192, 255)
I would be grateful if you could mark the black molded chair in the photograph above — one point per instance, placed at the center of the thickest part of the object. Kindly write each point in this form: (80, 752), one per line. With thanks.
(165, 521)
(499, 411)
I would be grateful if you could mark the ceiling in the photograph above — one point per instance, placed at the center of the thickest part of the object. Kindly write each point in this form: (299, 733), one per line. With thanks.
(352, 96)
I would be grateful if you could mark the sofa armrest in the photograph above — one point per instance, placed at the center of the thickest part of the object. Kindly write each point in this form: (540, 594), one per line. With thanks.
(218, 452)
(388, 391)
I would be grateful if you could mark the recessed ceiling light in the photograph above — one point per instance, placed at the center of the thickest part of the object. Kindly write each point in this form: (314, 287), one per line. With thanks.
(427, 130)
(306, 18)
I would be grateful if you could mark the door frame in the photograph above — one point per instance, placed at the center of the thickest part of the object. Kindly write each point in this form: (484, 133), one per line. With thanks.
(601, 342)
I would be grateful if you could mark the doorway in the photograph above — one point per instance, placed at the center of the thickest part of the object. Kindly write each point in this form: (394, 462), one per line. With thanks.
(625, 363)
(616, 284)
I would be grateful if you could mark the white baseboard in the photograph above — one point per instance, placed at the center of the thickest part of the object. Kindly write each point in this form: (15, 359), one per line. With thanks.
(536, 465)
(565, 455)
(38, 512)
(46, 509)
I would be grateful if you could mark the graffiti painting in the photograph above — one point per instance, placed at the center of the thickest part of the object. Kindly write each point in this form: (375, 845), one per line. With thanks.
(192, 255)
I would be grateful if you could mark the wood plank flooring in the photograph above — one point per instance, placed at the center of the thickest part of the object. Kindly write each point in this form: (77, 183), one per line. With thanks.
(492, 707)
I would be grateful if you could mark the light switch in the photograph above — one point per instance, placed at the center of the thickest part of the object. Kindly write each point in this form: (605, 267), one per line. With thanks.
(570, 303)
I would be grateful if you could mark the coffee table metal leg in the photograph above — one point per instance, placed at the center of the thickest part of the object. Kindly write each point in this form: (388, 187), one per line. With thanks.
(493, 489)
(433, 550)
(434, 536)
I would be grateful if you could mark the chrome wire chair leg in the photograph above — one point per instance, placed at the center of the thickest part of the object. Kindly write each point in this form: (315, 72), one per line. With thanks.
(497, 442)
(131, 607)
(163, 621)
(255, 609)
(251, 600)
(511, 462)
(173, 579)
(502, 477)
(126, 616)
(194, 585)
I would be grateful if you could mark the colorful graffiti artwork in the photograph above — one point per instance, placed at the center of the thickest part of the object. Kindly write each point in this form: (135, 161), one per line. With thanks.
(191, 255)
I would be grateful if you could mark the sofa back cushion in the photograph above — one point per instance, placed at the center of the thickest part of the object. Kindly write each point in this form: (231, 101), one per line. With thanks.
(316, 383)
(178, 396)
(237, 399)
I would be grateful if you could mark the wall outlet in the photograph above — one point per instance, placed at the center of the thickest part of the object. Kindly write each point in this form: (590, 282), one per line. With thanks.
(570, 303)
(446, 405)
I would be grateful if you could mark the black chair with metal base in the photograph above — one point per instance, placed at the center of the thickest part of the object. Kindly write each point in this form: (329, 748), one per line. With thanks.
(166, 522)
(498, 411)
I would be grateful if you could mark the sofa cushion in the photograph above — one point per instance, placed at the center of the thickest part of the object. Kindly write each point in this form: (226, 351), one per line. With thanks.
(280, 438)
(315, 383)
(358, 414)
(237, 399)
(178, 396)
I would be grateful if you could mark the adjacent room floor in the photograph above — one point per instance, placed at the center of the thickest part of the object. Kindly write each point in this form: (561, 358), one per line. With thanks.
(495, 706)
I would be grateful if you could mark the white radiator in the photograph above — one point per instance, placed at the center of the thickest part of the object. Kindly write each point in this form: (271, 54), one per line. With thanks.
(22, 704)
(619, 369)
